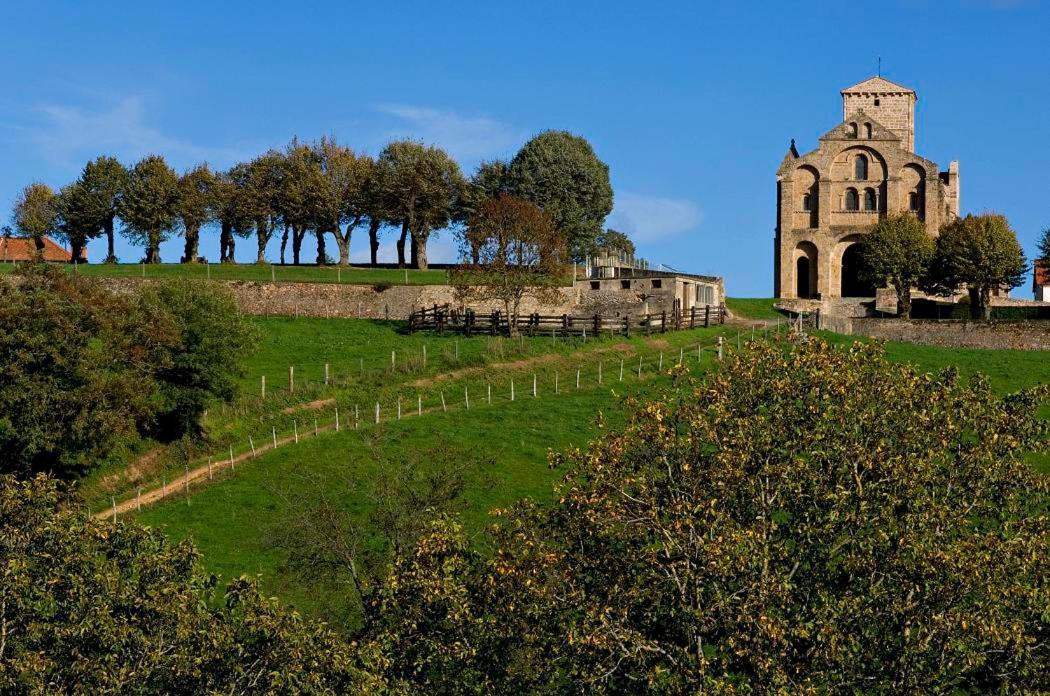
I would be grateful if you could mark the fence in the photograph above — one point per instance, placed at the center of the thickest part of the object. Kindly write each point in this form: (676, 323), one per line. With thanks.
(443, 318)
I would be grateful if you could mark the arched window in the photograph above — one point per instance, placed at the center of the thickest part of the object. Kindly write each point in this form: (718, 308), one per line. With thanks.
(869, 199)
(867, 131)
(807, 203)
(860, 168)
(851, 199)
(853, 130)
(913, 201)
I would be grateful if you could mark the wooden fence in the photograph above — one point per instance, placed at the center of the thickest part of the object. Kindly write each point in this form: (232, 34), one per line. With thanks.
(443, 318)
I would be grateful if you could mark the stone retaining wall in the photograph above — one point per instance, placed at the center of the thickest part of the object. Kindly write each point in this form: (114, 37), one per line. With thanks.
(1019, 335)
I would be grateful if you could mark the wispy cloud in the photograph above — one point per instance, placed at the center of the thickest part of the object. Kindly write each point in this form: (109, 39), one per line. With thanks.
(468, 138)
(651, 218)
(66, 136)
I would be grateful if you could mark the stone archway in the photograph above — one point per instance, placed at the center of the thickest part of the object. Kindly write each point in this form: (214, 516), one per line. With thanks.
(852, 285)
(805, 269)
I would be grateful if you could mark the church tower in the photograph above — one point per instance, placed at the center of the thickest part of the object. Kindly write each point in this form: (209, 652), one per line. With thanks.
(890, 104)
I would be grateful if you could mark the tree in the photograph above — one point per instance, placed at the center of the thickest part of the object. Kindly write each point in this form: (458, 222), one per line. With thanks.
(559, 172)
(809, 520)
(257, 188)
(898, 251)
(345, 199)
(375, 205)
(102, 608)
(227, 211)
(35, 214)
(489, 180)
(613, 240)
(301, 195)
(980, 253)
(148, 206)
(205, 342)
(77, 222)
(104, 180)
(195, 207)
(422, 185)
(1044, 247)
(518, 253)
(73, 381)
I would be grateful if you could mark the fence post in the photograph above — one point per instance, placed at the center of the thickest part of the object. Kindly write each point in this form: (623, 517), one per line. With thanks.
(443, 407)
(232, 465)
(274, 431)
(577, 378)
(252, 445)
(357, 416)
(466, 398)
(707, 316)
(419, 404)
(337, 419)
(315, 427)
(138, 495)
(639, 367)
(597, 325)
(720, 349)
(113, 499)
(692, 317)
(512, 390)
(627, 326)
(377, 413)
(663, 321)
(399, 408)
(291, 378)
(326, 374)
(424, 356)
(295, 430)
(533, 385)
(621, 369)
(681, 355)
(599, 372)
(264, 386)
(660, 367)
(490, 393)
(555, 382)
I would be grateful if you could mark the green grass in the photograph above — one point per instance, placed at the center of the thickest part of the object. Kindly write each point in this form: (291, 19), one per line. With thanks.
(232, 519)
(262, 273)
(753, 307)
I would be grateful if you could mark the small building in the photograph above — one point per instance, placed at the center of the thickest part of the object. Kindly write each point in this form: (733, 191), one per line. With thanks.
(1041, 281)
(16, 249)
(621, 285)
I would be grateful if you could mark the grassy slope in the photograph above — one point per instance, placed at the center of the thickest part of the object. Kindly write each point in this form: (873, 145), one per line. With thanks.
(753, 307)
(260, 273)
(230, 520)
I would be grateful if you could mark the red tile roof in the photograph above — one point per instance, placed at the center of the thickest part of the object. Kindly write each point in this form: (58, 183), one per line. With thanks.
(1042, 273)
(23, 249)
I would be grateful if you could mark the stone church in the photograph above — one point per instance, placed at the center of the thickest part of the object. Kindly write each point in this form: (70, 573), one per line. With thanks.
(862, 170)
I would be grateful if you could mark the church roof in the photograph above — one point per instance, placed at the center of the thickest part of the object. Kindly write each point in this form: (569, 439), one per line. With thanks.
(877, 85)
(842, 131)
(792, 154)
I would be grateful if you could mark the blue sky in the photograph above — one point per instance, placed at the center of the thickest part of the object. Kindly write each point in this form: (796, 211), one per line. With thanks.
(691, 104)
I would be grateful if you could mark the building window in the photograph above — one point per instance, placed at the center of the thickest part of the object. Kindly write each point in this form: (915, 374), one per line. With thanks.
(705, 294)
(806, 203)
(870, 200)
(913, 201)
(876, 102)
(596, 285)
(851, 199)
(860, 168)
(657, 283)
(867, 131)
(625, 284)
(853, 130)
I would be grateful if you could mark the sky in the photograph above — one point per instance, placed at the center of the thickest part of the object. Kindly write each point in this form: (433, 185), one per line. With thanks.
(691, 104)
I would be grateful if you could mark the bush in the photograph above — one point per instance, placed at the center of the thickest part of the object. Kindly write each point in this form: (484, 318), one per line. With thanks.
(820, 521)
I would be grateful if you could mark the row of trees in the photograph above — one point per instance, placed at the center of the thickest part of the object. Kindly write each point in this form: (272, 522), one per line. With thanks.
(697, 549)
(979, 254)
(321, 188)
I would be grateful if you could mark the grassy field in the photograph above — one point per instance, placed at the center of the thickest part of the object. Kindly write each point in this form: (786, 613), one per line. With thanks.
(233, 519)
(753, 307)
(263, 273)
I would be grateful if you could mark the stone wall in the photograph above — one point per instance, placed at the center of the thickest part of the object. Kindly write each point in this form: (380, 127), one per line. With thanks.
(1018, 335)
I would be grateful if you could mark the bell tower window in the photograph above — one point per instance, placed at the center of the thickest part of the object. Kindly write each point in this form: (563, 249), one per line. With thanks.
(860, 168)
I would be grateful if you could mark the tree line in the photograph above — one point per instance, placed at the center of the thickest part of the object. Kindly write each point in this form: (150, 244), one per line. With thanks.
(976, 254)
(321, 188)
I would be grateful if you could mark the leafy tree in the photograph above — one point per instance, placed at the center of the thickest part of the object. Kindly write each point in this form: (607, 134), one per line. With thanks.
(224, 193)
(613, 240)
(77, 222)
(302, 194)
(489, 180)
(773, 527)
(980, 253)
(518, 253)
(1044, 246)
(206, 340)
(374, 205)
(72, 377)
(422, 185)
(195, 207)
(559, 172)
(898, 251)
(148, 205)
(345, 200)
(102, 608)
(256, 206)
(35, 214)
(104, 180)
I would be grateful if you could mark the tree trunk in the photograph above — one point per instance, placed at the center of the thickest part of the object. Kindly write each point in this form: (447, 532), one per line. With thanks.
(401, 245)
(419, 251)
(260, 245)
(414, 259)
(321, 256)
(986, 303)
(904, 302)
(297, 242)
(225, 232)
(153, 248)
(284, 242)
(231, 245)
(190, 252)
(111, 256)
(343, 242)
(373, 240)
(76, 248)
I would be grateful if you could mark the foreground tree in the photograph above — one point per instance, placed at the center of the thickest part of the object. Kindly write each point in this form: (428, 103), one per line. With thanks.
(981, 254)
(560, 172)
(101, 608)
(898, 252)
(518, 252)
(77, 222)
(35, 214)
(422, 185)
(489, 180)
(148, 206)
(195, 207)
(772, 528)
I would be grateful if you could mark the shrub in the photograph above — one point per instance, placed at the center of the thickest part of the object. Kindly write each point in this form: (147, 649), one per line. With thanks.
(816, 521)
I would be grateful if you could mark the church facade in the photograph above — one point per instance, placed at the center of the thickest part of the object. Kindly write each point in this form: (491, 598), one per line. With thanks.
(862, 170)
